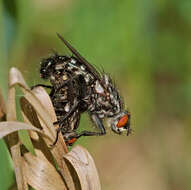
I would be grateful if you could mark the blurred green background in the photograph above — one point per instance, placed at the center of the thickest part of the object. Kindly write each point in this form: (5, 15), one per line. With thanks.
(146, 46)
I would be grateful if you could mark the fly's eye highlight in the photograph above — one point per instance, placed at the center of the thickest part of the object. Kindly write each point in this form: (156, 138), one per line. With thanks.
(123, 121)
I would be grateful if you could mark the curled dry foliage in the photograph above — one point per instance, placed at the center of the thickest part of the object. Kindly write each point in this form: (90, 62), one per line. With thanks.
(50, 167)
(2, 107)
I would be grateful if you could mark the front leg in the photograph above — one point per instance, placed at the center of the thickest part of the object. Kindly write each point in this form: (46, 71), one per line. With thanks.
(41, 85)
(62, 120)
(70, 139)
(98, 122)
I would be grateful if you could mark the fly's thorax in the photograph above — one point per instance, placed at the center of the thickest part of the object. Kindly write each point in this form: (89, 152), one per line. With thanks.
(52, 64)
(76, 68)
(105, 97)
(69, 70)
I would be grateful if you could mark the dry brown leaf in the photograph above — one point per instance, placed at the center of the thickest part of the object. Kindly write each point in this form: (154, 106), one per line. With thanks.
(17, 160)
(11, 105)
(60, 148)
(8, 127)
(84, 167)
(13, 141)
(46, 119)
(41, 111)
(2, 106)
(29, 112)
(15, 77)
(30, 116)
(43, 161)
(44, 98)
(40, 174)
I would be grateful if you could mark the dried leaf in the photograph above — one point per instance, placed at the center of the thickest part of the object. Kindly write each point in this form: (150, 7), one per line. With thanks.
(14, 142)
(17, 160)
(29, 112)
(2, 106)
(44, 98)
(38, 141)
(8, 127)
(15, 77)
(11, 105)
(46, 122)
(60, 148)
(84, 167)
(40, 174)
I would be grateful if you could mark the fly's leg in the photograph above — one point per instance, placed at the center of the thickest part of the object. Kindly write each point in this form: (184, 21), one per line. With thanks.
(62, 120)
(41, 85)
(76, 91)
(52, 93)
(57, 133)
(76, 100)
(70, 138)
(99, 125)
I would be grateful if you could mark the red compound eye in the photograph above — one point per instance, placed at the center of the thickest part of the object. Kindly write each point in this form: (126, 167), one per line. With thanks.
(71, 141)
(123, 121)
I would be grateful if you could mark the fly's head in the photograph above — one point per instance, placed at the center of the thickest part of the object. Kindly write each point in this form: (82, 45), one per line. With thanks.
(120, 123)
(118, 120)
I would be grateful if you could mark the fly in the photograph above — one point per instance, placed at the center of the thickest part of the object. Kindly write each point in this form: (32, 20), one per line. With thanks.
(77, 87)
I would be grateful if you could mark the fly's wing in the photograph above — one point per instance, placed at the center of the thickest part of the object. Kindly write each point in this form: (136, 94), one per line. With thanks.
(90, 68)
